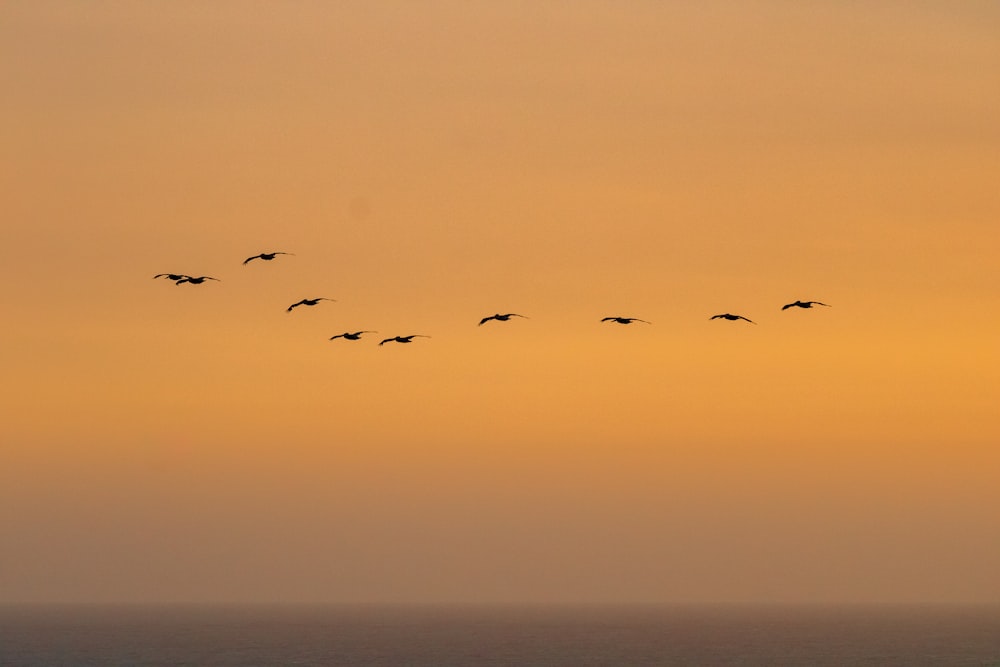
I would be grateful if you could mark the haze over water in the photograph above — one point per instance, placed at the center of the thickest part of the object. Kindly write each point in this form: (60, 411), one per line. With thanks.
(441, 636)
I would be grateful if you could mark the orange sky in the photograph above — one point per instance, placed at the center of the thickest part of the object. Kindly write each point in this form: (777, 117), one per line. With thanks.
(433, 163)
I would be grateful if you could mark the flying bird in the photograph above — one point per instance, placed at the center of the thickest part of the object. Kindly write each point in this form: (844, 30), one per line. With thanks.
(403, 339)
(730, 316)
(266, 256)
(351, 336)
(804, 304)
(500, 318)
(624, 320)
(194, 280)
(170, 276)
(307, 302)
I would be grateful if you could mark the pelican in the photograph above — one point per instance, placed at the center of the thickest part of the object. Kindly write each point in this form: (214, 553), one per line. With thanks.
(307, 302)
(194, 280)
(804, 304)
(730, 316)
(403, 339)
(266, 256)
(500, 318)
(624, 320)
(351, 336)
(170, 276)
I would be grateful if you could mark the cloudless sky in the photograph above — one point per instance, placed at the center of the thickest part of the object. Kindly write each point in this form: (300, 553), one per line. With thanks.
(430, 164)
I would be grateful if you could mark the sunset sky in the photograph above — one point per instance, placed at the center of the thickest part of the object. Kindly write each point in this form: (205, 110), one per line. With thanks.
(432, 163)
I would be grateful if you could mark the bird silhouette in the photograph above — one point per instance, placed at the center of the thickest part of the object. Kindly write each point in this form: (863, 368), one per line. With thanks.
(730, 316)
(266, 256)
(351, 336)
(804, 304)
(403, 339)
(307, 302)
(624, 320)
(194, 280)
(170, 276)
(500, 318)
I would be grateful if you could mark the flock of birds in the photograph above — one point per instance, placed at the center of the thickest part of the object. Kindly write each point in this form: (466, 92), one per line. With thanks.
(181, 278)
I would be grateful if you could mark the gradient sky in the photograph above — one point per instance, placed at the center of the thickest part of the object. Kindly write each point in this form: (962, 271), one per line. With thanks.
(433, 163)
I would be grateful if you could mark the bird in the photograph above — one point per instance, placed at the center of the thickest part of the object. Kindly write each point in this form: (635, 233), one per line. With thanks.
(403, 339)
(170, 276)
(266, 256)
(351, 336)
(730, 316)
(194, 280)
(307, 302)
(500, 318)
(804, 304)
(624, 320)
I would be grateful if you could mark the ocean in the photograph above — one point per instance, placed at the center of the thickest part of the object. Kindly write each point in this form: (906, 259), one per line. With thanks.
(543, 636)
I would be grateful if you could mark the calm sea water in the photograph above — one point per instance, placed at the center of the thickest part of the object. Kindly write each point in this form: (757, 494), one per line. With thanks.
(542, 636)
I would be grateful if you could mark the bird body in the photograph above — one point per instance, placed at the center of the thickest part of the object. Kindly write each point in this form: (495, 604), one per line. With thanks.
(804, 304)
(307, 302)
(266, 256)
(351, 336)
(730, 316)
(500, 318)
(624, 320)
(194, 280)
(403, 339)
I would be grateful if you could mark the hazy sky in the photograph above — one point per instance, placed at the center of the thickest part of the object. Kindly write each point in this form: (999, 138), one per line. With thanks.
(433, 163)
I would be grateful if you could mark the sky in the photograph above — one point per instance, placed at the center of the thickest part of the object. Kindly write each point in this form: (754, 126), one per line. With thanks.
(431, 164)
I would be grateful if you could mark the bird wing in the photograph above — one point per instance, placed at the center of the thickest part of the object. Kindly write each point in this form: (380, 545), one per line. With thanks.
(250, 258)
(788, 305)
(486, 319)
(337, 336)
